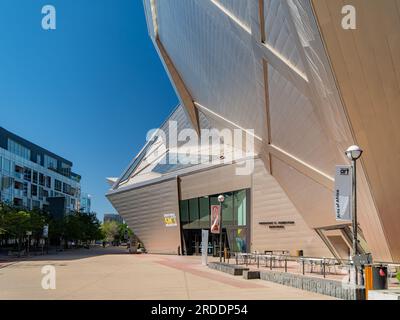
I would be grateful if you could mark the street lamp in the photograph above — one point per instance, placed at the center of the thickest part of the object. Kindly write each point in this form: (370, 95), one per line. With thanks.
(221, 199)
(354, 153)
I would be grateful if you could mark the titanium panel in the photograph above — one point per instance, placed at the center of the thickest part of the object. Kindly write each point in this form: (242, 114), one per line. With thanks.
(143, 210)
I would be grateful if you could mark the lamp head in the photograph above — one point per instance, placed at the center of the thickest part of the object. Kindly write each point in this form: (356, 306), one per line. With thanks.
(354, 152)
(221, 198)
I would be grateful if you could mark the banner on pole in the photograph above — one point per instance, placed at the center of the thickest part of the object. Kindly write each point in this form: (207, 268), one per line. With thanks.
(343, 193)
(215, 219)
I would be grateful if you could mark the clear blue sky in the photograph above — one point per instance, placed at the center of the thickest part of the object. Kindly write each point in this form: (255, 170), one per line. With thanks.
(89, 90)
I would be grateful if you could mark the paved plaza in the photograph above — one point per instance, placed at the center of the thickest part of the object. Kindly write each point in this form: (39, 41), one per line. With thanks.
(111, 273)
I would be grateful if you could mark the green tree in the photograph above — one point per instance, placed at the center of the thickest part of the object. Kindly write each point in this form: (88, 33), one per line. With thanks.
(110, 230)
(17, 223)
(124, 232)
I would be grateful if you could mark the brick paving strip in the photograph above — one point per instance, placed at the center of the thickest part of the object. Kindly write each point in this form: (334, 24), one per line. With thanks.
(191, 268)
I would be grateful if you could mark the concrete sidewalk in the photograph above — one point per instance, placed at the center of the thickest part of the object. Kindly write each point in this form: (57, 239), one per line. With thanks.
(111, 273)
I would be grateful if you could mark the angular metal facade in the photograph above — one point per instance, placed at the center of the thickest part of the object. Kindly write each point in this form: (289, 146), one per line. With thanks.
(265, 65)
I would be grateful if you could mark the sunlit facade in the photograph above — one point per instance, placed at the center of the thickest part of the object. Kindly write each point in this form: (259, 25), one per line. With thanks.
(34, 178)
(286, 71)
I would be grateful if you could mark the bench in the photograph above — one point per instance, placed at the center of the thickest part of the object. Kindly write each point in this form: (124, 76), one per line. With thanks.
(232, 269)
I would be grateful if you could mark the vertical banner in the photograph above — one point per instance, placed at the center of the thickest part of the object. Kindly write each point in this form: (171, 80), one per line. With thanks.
(343, 193)
(204, 247)
(215, 219)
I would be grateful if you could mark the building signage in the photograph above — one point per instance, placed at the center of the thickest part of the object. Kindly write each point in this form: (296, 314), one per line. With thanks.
(204, 247)
(170, 220)
(343, 193)
(277, 224)
(215, 219)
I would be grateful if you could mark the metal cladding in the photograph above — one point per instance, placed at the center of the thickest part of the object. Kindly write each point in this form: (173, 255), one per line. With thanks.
(265, 66)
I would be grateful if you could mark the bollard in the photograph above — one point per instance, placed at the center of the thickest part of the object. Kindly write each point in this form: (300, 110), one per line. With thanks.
(303, 267)
(270, 264)
(258, 262)
(285, 264)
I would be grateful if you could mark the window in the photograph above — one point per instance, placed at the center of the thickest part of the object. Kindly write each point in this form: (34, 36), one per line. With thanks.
(35, 177)
(240, 203)
(184, 211)
(48, 182)
(65, 169)
(50, 162)
(57, 185)
(204, 207)
(19, 150)
(34, 190)
(227, 209)
(27, 174)
(66, 188)
(26, 189)
(194, 210)
(41, 179)
(7, 165)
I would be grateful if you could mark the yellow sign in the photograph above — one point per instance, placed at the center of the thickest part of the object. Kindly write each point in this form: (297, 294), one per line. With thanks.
(170, 220)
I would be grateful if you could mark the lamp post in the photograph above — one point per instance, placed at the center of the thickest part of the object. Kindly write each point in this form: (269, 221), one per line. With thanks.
(221, 199)
(354, 153)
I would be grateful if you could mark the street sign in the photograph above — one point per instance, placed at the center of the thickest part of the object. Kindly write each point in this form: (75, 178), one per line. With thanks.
(215, 219)
(170, 220)
(343, 193)
(46, 231)
(204, 247)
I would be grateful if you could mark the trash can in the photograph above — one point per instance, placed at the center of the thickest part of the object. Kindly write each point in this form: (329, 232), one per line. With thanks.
(379, 277)
(376, 278)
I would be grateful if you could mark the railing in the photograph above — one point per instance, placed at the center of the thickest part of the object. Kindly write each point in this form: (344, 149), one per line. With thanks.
(274, 261)
(325, 265)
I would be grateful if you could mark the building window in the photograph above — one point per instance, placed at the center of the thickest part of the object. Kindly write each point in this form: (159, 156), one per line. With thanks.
(34, 190)
(27, 174)
(35, 177)
(184, 210)
(48, 182)
(19, 150)
(57, 185)
(41, 179)
(66, 188)
(240, 207)
(194, 210)
(204, 206)
(7, 165)
(50, 162)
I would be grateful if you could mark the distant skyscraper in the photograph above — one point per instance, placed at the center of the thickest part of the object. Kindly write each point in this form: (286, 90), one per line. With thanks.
(85, 203)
